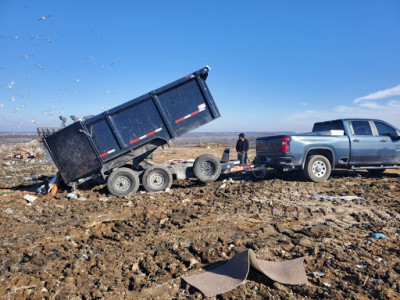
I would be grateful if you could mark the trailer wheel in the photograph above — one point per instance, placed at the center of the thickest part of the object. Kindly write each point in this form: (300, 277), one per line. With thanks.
(156, 179)
(207, 168)
(317, 168)
(123, 181)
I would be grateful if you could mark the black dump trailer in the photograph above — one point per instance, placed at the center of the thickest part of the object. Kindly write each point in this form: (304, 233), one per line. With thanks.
(114, 143)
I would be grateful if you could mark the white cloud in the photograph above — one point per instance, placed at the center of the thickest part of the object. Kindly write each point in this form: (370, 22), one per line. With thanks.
(394, 91)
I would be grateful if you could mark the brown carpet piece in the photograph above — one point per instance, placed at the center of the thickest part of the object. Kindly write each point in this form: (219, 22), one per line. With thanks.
(231, 274)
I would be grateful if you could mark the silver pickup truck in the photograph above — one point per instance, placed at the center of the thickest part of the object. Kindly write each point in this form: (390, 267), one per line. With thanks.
(346, 143)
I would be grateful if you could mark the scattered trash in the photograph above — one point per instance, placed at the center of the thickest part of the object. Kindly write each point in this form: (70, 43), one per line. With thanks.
(318, 274)
(72, 196)
(82, 199)
(377, 235)
(29, 178)
(103, 199)
(41, 190)
(9, 211)
(368, 243)
(162, 221)
(30, 198)
(327, 284)
(231, 274)
(192, 262)
(222, 186)
(346, 198)
(53, 184)
(363, 266)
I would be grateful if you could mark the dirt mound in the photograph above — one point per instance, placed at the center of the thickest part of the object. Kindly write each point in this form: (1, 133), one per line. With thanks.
(99, 246)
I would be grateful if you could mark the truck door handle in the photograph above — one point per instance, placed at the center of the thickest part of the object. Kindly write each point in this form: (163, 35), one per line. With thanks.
(356, 140)
(383, 141)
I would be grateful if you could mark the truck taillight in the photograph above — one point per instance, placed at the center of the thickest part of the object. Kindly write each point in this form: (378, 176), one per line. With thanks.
(285, 145)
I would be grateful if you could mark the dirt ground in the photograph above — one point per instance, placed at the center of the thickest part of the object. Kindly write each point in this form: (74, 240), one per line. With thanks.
(99, 246)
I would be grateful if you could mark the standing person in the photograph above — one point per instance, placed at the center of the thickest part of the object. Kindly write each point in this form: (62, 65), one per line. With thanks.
(242, 146)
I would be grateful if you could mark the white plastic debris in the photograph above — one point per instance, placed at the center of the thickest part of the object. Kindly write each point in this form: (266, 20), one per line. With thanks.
(346, 198)
(327, 284)
(318, 274)
(30, 198)
(72, 196)
(222, 186)
(9, 211)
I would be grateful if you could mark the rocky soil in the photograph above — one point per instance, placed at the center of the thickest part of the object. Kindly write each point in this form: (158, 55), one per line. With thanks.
(99, 246)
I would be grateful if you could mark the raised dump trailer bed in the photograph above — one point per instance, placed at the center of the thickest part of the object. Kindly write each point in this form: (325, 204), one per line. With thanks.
(104, 144)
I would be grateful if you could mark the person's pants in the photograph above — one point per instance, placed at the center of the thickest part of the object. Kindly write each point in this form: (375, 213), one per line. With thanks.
(242, 158)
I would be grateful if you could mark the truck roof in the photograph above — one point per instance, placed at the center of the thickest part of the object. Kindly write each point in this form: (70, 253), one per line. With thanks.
(352, 119)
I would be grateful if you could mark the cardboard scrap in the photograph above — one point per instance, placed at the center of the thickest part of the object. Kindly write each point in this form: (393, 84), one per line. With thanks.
(231, 274)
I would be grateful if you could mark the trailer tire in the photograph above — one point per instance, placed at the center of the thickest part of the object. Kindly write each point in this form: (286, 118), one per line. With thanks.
(123, 181)
(317, 168)
(156, 179)
(207, 168)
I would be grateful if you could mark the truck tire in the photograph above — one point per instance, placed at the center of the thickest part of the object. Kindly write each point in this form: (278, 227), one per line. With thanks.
(317, 168)
(123, 181)
(156, 179)
(207, 168)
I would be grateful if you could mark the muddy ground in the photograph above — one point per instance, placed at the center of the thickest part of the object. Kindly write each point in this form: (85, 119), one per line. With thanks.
(139, 247)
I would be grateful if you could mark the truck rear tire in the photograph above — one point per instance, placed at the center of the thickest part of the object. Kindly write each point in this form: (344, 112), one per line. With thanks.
(123, 181)
(317, 168)
(207, 168)
(157, 179)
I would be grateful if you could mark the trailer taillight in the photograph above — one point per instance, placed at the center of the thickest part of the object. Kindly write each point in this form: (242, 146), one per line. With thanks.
(285, 145)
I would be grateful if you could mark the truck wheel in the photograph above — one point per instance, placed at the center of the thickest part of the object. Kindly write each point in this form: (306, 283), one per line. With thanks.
(156, 179)
(123, 181)
(207, 168)
(317, 168)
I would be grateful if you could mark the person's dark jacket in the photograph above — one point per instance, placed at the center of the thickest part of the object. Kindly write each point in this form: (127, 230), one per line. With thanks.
(242, 146)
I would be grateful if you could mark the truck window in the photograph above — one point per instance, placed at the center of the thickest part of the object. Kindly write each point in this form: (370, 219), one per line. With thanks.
(325, 126)
(361, 128)
(384, 129)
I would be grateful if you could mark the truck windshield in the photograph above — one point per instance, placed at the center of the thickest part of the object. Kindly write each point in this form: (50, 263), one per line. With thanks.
(331, 125)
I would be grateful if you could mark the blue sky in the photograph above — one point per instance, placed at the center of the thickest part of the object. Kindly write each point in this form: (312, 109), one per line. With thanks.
(276, 65)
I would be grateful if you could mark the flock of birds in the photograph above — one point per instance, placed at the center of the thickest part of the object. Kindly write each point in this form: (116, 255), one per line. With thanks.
(11, 90)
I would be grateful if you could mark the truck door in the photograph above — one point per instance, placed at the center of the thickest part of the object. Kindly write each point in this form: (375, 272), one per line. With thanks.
(365, 146)
(389, 143)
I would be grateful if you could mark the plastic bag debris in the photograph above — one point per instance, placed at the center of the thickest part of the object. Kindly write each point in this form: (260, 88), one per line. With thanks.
(9, 211)
(346, 198)
(377, 235)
